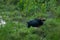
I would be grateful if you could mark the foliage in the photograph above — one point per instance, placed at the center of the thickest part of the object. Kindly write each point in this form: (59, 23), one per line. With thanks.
(16, 13)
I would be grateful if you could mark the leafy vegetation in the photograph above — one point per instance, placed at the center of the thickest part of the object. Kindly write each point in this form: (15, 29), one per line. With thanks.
(16, 13)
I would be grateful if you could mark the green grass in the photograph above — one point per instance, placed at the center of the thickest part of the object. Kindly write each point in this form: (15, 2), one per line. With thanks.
(16, 17)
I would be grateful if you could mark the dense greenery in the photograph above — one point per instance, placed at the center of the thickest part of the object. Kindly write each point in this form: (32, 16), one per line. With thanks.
(17, 12)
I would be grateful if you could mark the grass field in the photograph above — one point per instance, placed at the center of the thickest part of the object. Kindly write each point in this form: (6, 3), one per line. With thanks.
(16, 13)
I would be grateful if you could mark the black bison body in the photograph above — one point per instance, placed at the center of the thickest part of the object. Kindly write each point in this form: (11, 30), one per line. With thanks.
(35, 23)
